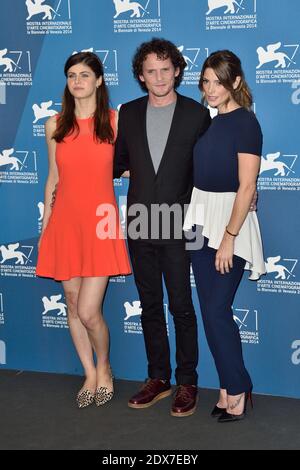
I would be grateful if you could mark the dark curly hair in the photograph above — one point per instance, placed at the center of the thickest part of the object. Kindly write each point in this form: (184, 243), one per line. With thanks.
(164, 50)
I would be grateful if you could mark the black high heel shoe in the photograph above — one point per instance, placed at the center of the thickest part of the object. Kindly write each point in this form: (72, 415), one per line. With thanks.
(228, 417)
(216, 412)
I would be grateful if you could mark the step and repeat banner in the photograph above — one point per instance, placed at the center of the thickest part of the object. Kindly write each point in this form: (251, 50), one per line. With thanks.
(36, 37)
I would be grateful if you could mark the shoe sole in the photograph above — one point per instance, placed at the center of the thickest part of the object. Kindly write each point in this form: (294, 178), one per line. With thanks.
(162, 395)
(218, 414)
(186, 413)
(233, 420)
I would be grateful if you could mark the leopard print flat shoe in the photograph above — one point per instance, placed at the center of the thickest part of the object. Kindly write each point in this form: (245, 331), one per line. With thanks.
(85, 398)
(103, 395)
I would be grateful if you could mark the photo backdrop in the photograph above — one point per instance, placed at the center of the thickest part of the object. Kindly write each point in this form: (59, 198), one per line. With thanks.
(36, 37)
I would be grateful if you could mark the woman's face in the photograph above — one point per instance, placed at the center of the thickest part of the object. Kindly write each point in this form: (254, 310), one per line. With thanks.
(82, 81)
(216, 95)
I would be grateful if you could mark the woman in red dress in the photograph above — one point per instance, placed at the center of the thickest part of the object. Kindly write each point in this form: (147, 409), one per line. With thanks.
(75, 246)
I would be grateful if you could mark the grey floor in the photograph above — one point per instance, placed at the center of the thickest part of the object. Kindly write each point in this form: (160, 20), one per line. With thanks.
(38, 411)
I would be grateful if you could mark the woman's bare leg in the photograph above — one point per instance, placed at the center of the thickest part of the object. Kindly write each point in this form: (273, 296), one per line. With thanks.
(222, 403)
(236, 403)
(79, 333)
(91, 295)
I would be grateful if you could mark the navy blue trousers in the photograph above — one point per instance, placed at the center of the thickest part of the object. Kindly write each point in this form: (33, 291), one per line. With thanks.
(216, 292)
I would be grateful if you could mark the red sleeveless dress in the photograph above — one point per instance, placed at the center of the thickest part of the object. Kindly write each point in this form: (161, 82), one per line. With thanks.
(77, 241)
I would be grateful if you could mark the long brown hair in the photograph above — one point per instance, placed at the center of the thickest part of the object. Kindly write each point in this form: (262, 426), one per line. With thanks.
(66, 123)
(227, 67)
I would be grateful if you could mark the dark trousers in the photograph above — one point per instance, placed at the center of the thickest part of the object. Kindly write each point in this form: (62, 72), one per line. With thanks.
(216, 292)
(152, 262)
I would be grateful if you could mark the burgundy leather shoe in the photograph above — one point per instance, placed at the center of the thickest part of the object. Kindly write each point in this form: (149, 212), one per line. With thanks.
(153, 391)
(185, 400)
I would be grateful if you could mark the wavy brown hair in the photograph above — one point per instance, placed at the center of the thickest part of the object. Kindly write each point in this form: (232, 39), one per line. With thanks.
(164, 50)
(66, 123)
(227, 67)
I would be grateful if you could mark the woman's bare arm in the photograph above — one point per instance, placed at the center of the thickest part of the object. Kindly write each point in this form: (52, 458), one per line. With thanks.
(52, 178)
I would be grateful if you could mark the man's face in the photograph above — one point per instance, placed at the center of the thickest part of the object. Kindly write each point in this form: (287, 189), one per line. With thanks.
(159, 75)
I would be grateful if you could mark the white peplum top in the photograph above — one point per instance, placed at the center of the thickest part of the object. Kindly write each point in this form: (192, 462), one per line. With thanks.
(212, 211)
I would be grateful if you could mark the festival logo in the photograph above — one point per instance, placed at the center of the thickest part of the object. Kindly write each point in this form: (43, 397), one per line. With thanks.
(247, 322)
(278, 171)
(54, 304)
(9, 64)
(194, 57)
(54, 314)
(272, 53)
(281, 276)
(41, 112)
(231, 6)
(134, 310)
(277, 63)
(136, 17)
(15, 260)
(280, 271)
(53, 17)
(18, 166)
(231, 14)
(15, 67)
